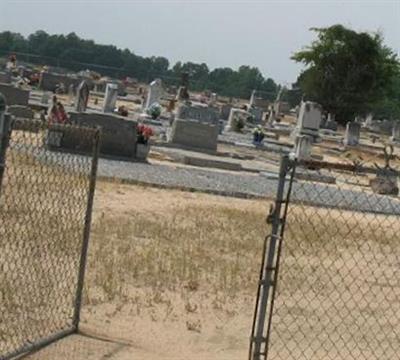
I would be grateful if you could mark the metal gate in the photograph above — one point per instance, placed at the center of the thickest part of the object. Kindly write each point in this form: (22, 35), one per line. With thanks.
(330, 285)
(46, 202)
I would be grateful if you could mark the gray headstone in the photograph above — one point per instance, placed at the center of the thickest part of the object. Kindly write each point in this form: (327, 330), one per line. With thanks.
(309, 117)
(194, 135)
(225, 111)
(82, 97)
(257, 114)
(110, 98)
(352, 134)
(202, 114)
(118, 135)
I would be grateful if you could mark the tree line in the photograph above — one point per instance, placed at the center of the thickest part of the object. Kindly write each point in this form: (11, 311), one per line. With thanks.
(349, 73)
(74, 53)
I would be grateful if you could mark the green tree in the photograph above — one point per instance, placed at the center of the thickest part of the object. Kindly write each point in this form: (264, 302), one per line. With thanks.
(348, 73)
(72, 52)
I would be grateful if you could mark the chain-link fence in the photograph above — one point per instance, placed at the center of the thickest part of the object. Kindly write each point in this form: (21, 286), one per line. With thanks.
(45, 208)
(330, 284)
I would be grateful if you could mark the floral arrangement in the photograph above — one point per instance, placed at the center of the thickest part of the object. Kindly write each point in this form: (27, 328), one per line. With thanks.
(258, 135)
(154, 111)
(144, 133)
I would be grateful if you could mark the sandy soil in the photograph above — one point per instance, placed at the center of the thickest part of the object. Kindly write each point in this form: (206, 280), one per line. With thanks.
(185, 319)
(178, 324)
(172, 275)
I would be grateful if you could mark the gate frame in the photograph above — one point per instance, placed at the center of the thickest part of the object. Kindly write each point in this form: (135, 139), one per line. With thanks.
(6, 128)
(270, 263)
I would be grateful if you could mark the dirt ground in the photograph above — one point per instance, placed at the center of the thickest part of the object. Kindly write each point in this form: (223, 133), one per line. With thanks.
(172, 275)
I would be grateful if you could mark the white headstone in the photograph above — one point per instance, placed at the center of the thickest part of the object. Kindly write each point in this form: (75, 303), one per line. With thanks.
(272, 117)
(155, 93)
(213, 99)
(352, 134)
(302, 147)
(369, 119)
(110, 98)
(252, 98)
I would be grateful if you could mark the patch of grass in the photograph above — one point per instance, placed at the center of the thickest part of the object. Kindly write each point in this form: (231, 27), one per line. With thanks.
(196, 248)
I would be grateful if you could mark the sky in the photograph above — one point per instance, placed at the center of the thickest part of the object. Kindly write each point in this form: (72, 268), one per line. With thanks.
(218, 32)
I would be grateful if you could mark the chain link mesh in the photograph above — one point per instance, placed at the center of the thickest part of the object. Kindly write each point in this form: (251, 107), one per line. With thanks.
(43, 207)
(338, 290)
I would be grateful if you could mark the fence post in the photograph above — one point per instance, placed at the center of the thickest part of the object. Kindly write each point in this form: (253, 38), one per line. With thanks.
(268, 269)
(86, 232)
(5, 122)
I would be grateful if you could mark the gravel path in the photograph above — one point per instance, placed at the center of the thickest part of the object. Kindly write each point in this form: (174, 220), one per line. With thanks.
(245, 185)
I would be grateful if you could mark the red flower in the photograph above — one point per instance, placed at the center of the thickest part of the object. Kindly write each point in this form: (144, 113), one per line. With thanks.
(144, 130)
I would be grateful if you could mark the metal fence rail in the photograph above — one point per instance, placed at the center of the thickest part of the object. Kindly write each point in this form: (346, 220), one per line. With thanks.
(45, 207)
(336, 293)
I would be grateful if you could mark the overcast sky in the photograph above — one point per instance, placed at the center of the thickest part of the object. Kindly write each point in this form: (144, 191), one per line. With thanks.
(217, 32)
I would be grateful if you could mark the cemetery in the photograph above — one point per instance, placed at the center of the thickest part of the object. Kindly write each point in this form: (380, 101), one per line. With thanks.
(214, 136)
(167, 206)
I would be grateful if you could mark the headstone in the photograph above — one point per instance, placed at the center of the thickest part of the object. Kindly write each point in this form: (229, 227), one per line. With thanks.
(225, 111)
(396, 132)
(49, 81)
(330, 123)
(118, 135)
(257, 114)
(82, 97)
(272, 117)
(203, 114)
(154, 94)
(281, 107)
(252, 98)
(71, 91)
(194, 135)
(352, 134)
(110, 98)
(213, 99)
(369, 119)
(386, 127)
(309, 120)
(302, 147)
(13, 95)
